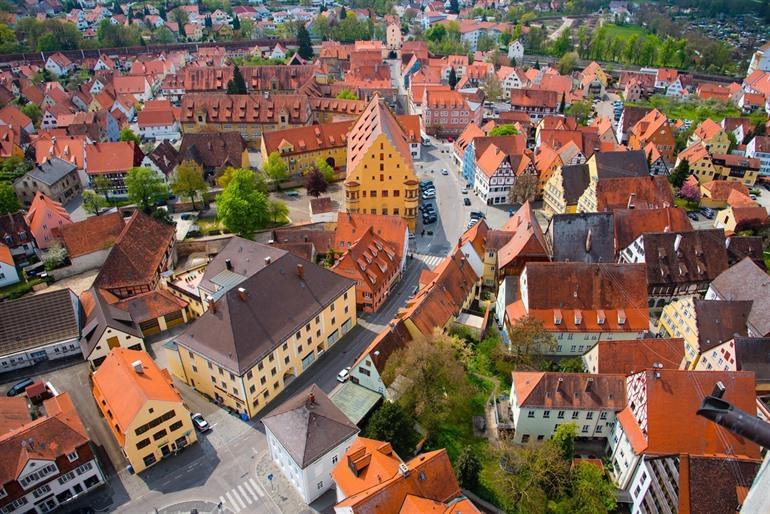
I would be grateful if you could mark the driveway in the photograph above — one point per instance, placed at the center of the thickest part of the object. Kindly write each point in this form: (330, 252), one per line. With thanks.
(565, 25)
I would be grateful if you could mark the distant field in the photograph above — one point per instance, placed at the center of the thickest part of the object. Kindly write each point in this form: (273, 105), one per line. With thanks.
(696, 109)
(626, 31)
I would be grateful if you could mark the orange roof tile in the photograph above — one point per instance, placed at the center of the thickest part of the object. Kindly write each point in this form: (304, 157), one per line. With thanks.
(627, 357)
(377, 119)
(707, 130)
(311, 138)
(91, 234)
(366, 463)
(5, 255)
(117, 157)
(721, 189)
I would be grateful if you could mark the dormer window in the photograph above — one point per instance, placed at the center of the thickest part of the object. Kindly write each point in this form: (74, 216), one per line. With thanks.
(557, 317)
(600, 317)
(578, 316)
(621, 317)
(72, 456)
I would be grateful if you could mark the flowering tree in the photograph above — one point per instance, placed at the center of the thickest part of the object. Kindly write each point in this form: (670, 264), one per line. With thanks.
(690, 192)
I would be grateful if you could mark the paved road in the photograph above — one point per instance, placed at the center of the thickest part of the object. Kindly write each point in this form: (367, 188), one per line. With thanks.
(565, 25)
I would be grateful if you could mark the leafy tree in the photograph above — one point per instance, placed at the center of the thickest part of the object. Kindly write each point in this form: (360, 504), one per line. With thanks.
(567, 63)
(93, 203)
(128, 135)
(32, 110)
(591, 492)
(581, 110)
(525, 188)
(435, 381)
(278, 210)
(347, 94)
(564, 438)
(305, 49)
(276, 168)
(680, 173)
(240, 206)
(54, 255)
(350, 29)
(315, 182)
(189, 181)
(529, 338)
(101, 186)
(505, 129)
(486, 43)
(145, 188)
(562, 44)
(110, 35)
(690, 192)
(454, 7)
(391, 423)
(571, 365)
(180, 17)
(436, 33)
(161, 214)
(260, 183)
(163, 36)
(8, 201)
(343, 13)
(493, 88)
(468, 468)
(325, 169)
(452, 78)
(236, 85)
(207, 23)
(13, 167)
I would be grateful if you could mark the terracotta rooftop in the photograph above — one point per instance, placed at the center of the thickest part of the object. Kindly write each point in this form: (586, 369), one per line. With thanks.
(629, 224)
(154, 304)
(653, 192)
(117, 157)
(91, 234)
(312, 138)
(570, 390)
(222, 108)
(377, 119)
(213, 150)
(628, 357)
(699, 256)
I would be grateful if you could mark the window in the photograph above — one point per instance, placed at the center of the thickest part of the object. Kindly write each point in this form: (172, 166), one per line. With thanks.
(40, 491)
(249, 375)
(546, 414)
(589, 415)
(176, 426)
(576, 415)
(531, 414)
(560, 414)
(320, 485)
(149, 460)
(159, 434)
(524, 438)
(62, 479)
(603, 415)
(252, 388)
(585, 429)
(334, 460)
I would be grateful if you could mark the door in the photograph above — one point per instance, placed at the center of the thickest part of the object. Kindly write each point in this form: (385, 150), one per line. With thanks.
(164, 450)
(113, 342)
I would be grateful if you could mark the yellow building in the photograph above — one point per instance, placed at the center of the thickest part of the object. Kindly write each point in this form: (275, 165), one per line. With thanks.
(699, 159)
(301, 146)
(703, 324)
(142, 407)
(380, 172)
(269, 315)
(610, 165)
(712, 136)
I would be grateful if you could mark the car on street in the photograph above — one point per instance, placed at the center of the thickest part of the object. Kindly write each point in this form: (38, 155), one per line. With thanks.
(708, 213)
(466, 201)
(200, 423)
(693, 216)
(343, 375)
(427, 219)
(477, 215)
(445, 171)
(19, 387)
(429, 195)
(464, 190)
(293, 194)
(425, 184)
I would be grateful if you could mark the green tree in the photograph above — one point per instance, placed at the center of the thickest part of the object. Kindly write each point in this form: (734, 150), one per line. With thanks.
(128, 135)
(54, 255)
(505, 129)
(680, 173)
(8, 201)
(528, 340)
(102, 186)
(467, 468)
(236, 23)
(305, 49)
(240, 206)
(32, 110)
(391, 423)
(189, 181)
(571, 365)
(343, 13)
(145, 188)
(347, 94)
(13, 167)
(325, 168)
(562, 44)
(493, 89)
(452, 78)
(581, 110)
(591, 492)
(93, 203)
(163, 36)
(278, 211)
(564, 438)
(567, 63)
(315, 183)
(236, 85)
(454, 7)
(276, 168)
(260, 182)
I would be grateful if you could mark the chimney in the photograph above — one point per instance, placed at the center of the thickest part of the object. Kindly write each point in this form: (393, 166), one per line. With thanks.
(212, 303)
(301, 271)
(403, 469)
(137, 365)
(630, 204)
(268, 260)
(558, 384)
(242, 294)
(228, 265)
(311, 400)
(677, 242)
(589, 383)
(588, 241)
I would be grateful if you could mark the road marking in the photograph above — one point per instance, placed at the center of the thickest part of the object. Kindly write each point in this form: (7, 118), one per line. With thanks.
(238, 497)
(232, 502)
(245, 496)
(222, 500)
(251, 491)
(256, 487)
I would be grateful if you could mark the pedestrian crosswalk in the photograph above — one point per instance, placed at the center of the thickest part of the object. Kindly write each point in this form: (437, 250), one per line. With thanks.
(243, 496)
(430, 260)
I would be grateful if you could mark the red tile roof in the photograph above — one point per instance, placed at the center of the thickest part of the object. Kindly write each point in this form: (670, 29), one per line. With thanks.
(570, 390)
(627, 357)
(631, 223)
(312, 138)
(117, 157)
(653, 192)
(91, 234)
(147, 306)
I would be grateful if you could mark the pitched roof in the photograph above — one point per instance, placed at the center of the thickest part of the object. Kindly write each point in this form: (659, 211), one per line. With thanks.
(37, 320)
(165, 157)
(371, 262)
(5, 255)
(746, 281)
(312, 138)
(721, 189)
(652, 122)
(137, 253)
(740, 247)
(241, 257)
(222, 108)
(621, 164)
(365, 464)
(103, 316)
(671, 425)
(91, 234)
(14, 413)
(151, 305)
(377, 119)
(700, 256)
(309, 425)
(714, 483)
(717, 321)
(155, 118)
(52, 171)
(570, 390)
(241, 331)
(58, 433)
(43, 210)
(628, 357)
(213, 149)
(629, 224)
(71, 149)
(530, 97)
(707, 130)
(112, 157)
(575, 179)
(126, 391)
(582, 237)
(650, 192)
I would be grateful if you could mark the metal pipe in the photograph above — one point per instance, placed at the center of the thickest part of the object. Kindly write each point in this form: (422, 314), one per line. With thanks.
(736, 420)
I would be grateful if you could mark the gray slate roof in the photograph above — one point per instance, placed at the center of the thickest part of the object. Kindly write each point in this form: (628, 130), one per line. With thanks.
(631, 163)
(38, 320)
(102, 317)
(308, 425)
(575, 180)
(570, 239)
(238, 333)
(52, 171)
(746, 281)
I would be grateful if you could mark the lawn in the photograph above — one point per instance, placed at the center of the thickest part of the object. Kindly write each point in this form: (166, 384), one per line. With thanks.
(19, 289)
(624, 31)
(696, 109)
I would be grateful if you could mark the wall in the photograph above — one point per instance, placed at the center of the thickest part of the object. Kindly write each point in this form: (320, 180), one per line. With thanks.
(54, 351)
(82, 263)
(210, 246)
(103, 348)
(8, 274)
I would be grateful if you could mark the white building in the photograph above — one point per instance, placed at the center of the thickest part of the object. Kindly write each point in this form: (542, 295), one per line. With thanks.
(59, 65)
(659, 428)
(541, 401)
(8, 272)
(496, 173)
(516, 51)
(511, 78)
(759, 148)
(760, 60)
(158, 125)
(307, 436)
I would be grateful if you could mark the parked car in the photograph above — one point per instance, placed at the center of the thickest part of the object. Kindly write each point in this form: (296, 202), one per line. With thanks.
(343, 375)
(708, 213)
(200, 423)
(293, 194)
(466, 201)
(428, 195)
(693, 216)
(19, 387)
(477, 215)
(428, 219)
(464, 190)
(445, 171)
(425, 184)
